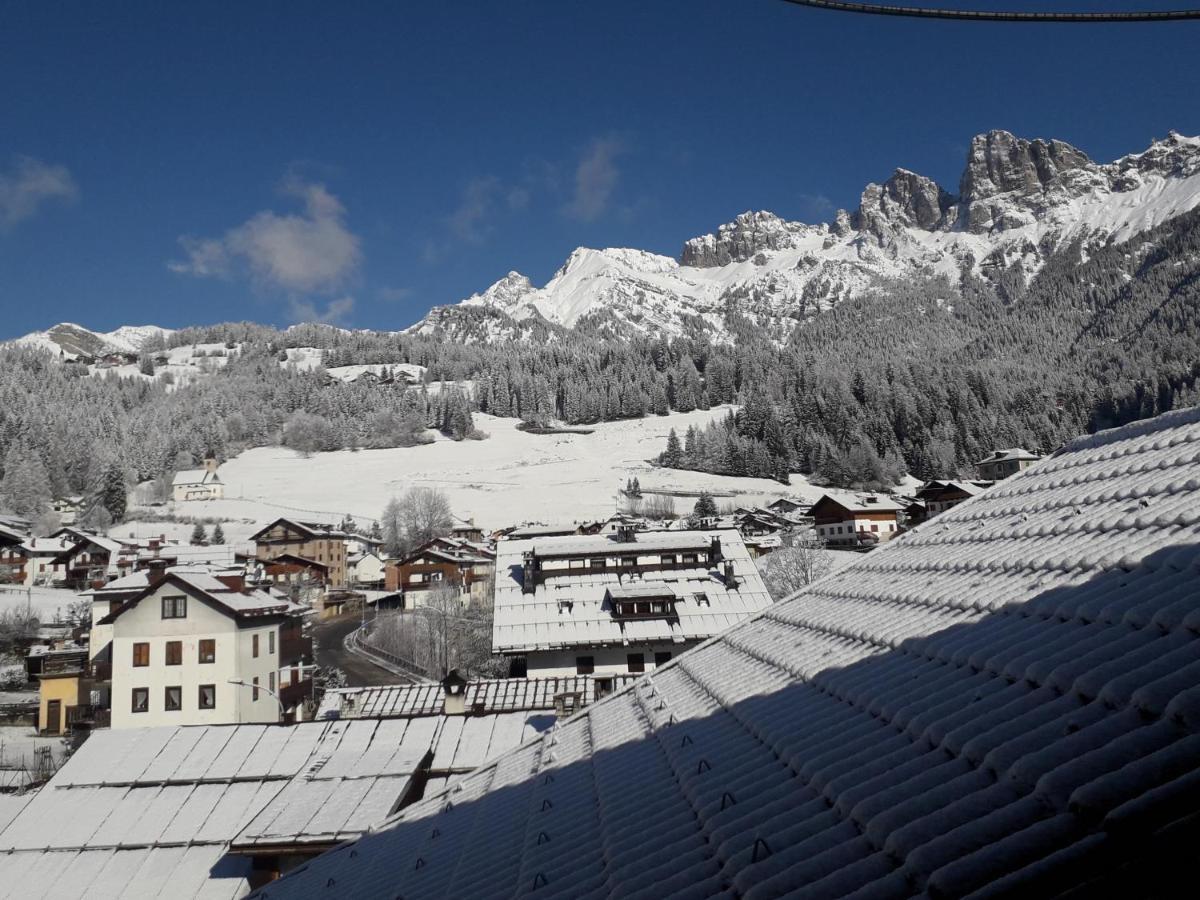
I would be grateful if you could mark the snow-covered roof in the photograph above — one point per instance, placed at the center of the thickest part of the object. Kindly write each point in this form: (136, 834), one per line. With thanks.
(571, 608)
(156, 811)
(866, 503)
(1019, 454)
(1002, 702)
(491, 695)
(195, 476)
(201, 580)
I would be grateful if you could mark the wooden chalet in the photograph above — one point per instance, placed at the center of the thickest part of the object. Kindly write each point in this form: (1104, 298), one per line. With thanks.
(325, 545)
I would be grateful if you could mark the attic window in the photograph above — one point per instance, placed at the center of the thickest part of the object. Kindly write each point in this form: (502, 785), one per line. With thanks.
(701, 599)
(565, 606)
(174, 607)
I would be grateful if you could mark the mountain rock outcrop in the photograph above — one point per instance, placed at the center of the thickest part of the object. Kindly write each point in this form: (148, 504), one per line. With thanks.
(1019, 201)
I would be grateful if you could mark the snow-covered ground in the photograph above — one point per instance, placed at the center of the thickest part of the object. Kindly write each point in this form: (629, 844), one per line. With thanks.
(509, 478)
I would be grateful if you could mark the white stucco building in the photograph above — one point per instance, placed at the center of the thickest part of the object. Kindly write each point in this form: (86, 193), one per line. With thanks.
(177, 648)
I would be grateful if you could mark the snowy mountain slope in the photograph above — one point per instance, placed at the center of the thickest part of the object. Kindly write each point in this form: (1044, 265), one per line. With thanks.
(74, 340)
(1018, 202)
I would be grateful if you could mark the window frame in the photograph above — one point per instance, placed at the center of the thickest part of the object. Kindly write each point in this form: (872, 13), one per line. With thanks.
(178, 656)
(133, 703)
(661, 658)
(254, 645)
(177, 603)
(211, 644)
(585, 665)
(200, 696)
(635, 663)
(255, 688)
(141, 649)
(167, 707)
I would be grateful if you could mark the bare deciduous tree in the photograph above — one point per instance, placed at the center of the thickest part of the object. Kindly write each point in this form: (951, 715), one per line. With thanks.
(802, 560)
(416, 517)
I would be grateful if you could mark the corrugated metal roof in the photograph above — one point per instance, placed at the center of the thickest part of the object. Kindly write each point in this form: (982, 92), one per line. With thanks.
(1004, 702)
(491, 695)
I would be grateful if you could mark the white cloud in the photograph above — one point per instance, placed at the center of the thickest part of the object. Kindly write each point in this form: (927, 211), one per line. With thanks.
(469, 219)
(335, 312)
(815, 207)
(596, 177)
(28, 185)
(304, 252)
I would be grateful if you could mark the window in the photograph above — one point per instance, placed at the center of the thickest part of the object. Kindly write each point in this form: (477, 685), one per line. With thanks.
(667, 559)
(173, 698)
(628, 562)
(662, 657)
(701, 599)
(874, 527)
(689, 558)
(208, 696)
(576, 564)
(270, 642)
(637, 663)
(597, 562)
(585, 665)
(174, 607)
(271, 681)
(141, 700)
(254, 645)
(208, 650)
(174, 653)
(141, 654)
(254, 690)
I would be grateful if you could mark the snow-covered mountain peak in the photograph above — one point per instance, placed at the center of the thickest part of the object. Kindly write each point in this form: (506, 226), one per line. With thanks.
(1019, 201)
(72, 340)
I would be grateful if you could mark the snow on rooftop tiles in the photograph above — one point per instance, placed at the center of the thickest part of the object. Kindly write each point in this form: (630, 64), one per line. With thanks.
(1004, 701)
(569, 606)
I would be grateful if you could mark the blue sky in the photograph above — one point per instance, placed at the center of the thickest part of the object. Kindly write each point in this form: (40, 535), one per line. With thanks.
(362, 162)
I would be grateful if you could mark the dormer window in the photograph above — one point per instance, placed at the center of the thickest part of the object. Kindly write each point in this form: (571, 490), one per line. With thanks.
(642, 601)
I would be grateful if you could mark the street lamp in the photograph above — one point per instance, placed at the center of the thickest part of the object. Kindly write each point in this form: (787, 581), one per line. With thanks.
(259, 687)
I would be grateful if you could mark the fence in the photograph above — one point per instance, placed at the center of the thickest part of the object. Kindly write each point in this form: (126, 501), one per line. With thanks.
(406, 666)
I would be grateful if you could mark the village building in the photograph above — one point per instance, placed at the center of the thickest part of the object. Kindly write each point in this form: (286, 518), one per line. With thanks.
(94, 559)
(196, 648)
(13, 558)
(527, 532)
(365, 569)
(856, 521)
(68, 509)
(1001, 706)
(1003, 463)
(789, 506)
(39, 561)
(314, 542)
(64, 691)
(939, 496)
(626, 603)
(198, 484)
(463, 566)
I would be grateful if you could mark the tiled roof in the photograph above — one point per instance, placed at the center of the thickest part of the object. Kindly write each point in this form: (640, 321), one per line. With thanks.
(1014, 453)
(1005, 701)
(569, 608)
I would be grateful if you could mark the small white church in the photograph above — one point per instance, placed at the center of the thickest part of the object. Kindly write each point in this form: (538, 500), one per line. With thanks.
(198, 484)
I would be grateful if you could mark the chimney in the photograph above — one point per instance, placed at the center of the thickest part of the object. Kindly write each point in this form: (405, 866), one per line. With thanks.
(156, 572)
(730, 578)
(626, 533)
(454, 694)
(714, 550)
(528, 572)
(233, 582)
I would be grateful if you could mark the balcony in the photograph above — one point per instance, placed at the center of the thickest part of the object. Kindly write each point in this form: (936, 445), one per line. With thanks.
(294, 647)
(291, 695)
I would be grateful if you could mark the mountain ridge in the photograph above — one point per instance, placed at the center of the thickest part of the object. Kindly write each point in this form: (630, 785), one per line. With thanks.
(1018, 202)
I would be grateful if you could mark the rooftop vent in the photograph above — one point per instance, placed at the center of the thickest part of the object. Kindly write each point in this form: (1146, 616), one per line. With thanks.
(454, 691)
(626, 533)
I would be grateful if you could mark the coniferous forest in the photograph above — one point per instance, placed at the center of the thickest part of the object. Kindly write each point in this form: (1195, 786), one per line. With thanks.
(922, 377)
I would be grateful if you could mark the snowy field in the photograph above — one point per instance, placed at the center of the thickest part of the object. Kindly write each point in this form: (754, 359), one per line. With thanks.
(512, 477)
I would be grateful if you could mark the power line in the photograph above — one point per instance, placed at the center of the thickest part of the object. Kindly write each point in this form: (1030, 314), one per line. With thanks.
(923, 12)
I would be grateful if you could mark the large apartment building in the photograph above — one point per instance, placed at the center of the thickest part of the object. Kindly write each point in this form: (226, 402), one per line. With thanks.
(194, 648)
(325, 545)
(614, 604)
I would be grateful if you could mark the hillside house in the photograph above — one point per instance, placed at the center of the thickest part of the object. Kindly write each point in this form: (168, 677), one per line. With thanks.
(1003, 463)
(68, 509)
(856, 522)
(939, 496)
(198, 484)
(1002, 706)
(40, 560)
(64, 690)
(787, 506)
(464, 566)
(94, 559)
(194, 648)
(617, 604)
(12, 558)
(323, 544)
(467, 531)
(527, 532)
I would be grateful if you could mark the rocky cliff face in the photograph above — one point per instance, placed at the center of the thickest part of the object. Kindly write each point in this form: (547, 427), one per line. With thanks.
(1018, 201)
